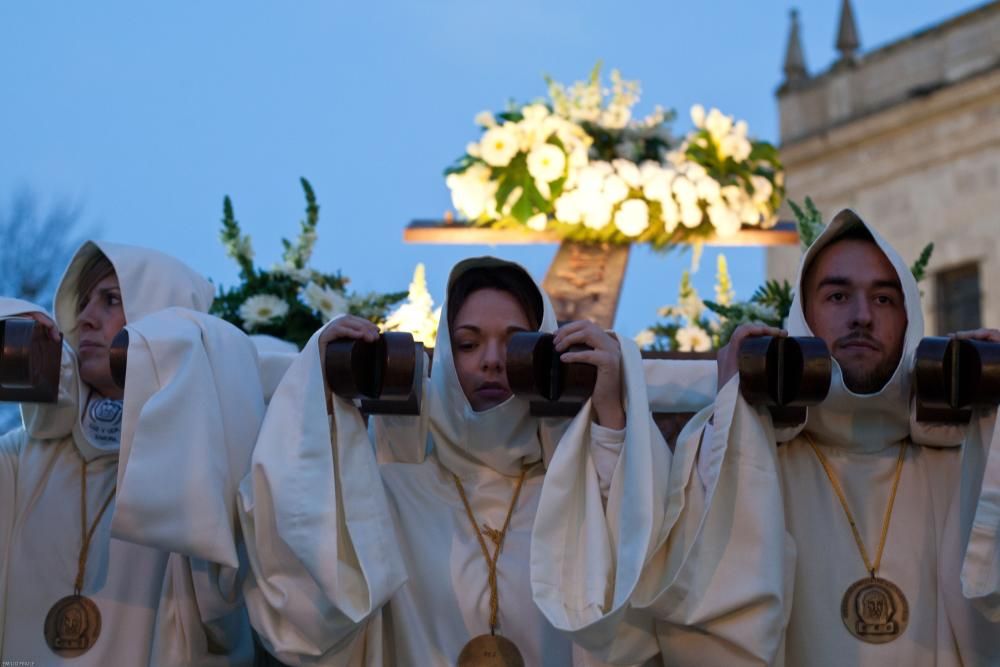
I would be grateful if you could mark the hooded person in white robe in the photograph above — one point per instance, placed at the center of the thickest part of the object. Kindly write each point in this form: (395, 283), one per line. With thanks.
(764, 550)
(363, 552)
(164, 566)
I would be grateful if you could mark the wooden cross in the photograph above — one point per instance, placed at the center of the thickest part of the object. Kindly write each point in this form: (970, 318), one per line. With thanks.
(584, 280)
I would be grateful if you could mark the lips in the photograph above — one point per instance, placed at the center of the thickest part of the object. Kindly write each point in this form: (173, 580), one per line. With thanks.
(492, 390)
(859, 344)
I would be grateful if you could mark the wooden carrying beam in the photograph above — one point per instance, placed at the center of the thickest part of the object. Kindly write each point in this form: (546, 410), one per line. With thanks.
(785, 374)
(535, 372)
(953, 375)
(29, 362)
(386, 375)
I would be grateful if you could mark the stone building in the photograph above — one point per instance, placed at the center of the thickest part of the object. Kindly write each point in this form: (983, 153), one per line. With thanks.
(908, 135)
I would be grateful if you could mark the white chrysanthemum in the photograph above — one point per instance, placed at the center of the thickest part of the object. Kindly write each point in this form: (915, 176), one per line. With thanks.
(693, 339)
(615, 188)
(632, 217)
(657, 185)
(324, 300)
(645, 338)
(499, 145)
(698, 115)
(546, 163)
(590, 180)
(262, 309)
(537, 222)
(486, 119)
(568, 208)
(628, 172)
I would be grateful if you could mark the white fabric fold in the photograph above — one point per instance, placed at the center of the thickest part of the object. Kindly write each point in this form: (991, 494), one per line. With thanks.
(321, 542)
(719, 583)
(585, 561)
(193, 395)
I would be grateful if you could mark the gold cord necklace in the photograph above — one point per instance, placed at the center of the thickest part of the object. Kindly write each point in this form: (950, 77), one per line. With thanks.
(491, 649)
(73, 624)
(873, 609)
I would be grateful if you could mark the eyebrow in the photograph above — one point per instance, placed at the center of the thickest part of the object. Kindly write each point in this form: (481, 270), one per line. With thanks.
(841, 281)
(474, 329)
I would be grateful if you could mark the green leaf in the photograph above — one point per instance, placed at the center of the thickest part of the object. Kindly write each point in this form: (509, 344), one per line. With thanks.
(919, 268)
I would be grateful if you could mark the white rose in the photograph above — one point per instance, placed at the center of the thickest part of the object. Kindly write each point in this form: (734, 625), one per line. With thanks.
(262, 309)
(568, 208)
(485, 119)
(724, 219)
(671, 214)
(690, 215)
(596, 211)
(632, 217)
(537, 222)
(698, 115)
(546, 162)
(685, 191)
(708, 189)
(693, 339)
(658, 188)
(499, 146)
(628, 172)
(645, 338)
(615, 188)
(590, 180)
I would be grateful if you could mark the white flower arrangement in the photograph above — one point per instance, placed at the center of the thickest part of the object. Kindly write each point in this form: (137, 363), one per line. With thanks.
(417, 314)
(582, 166)
(292, 300)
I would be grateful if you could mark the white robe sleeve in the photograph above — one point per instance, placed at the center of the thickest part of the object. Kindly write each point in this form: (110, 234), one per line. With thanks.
(720, 582)
(319, 533)
(980, 513)
(585, 561)
(193, 406)
(10, 449)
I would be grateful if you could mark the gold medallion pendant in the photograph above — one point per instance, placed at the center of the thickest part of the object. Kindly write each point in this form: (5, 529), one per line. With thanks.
(875, 610)
(72, 626)
(490, 651)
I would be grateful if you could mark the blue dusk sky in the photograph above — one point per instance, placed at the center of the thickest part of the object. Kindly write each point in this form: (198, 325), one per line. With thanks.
(148, 113)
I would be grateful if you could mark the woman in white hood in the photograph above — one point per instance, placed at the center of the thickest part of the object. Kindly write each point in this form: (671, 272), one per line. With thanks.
(387, 555)
(865, 538)
(92, 488)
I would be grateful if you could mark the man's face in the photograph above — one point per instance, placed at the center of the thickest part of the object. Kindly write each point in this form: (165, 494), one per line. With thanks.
(854, 302)
(100, 319)
(479, 337)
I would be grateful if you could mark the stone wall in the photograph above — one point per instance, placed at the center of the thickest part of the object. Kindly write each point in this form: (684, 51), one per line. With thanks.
(922, 169)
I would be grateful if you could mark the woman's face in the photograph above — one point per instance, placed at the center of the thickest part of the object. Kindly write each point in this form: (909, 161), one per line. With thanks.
(479, 337)
(101, 317)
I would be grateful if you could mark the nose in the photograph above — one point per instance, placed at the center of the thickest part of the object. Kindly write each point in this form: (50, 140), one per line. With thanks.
(862, 315)
(494, 356)
(87, 319)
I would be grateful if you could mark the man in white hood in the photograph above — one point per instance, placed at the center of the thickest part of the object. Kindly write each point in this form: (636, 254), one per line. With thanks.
(112, 548)
(417, 551)
(864, 537)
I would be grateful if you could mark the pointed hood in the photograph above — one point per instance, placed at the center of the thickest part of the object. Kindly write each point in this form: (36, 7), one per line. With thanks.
(503, 438)
(870, 421)
(150, 281)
